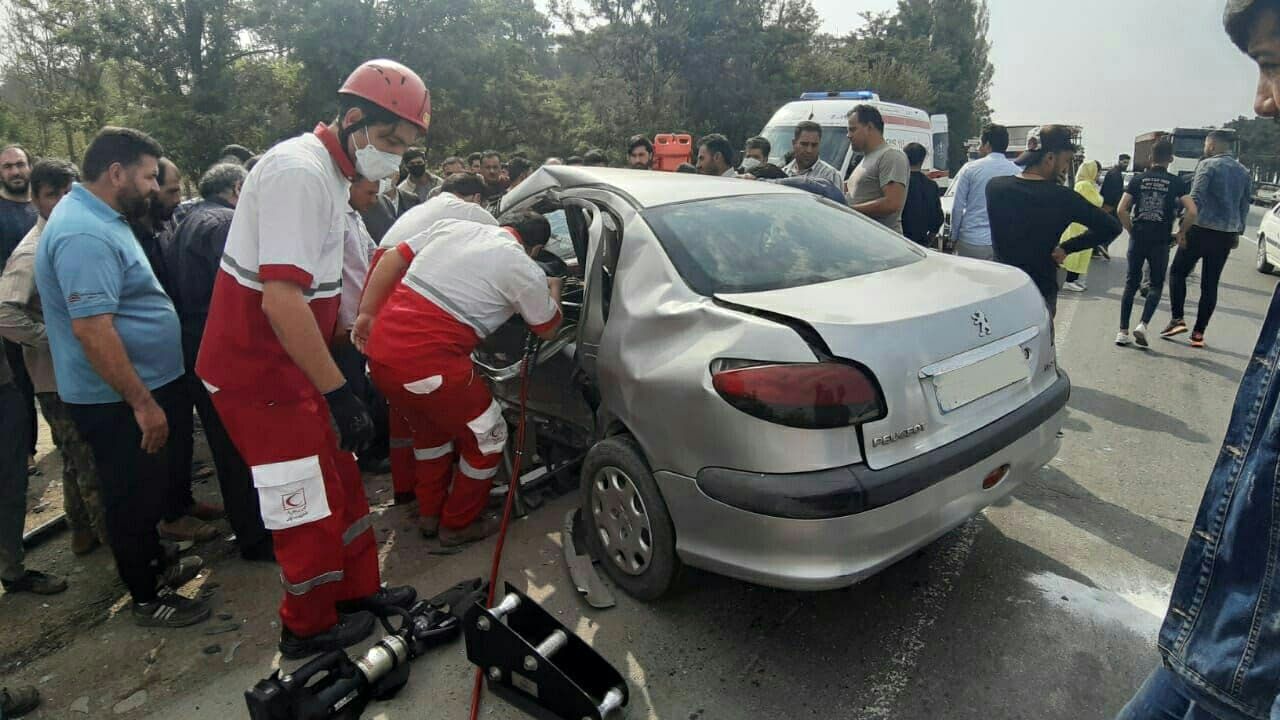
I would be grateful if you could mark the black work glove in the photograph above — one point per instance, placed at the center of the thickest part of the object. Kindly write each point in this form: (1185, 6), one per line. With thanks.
(350, 419)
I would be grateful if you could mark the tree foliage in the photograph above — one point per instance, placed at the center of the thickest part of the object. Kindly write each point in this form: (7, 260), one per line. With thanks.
(548, 79)
(1259, 146)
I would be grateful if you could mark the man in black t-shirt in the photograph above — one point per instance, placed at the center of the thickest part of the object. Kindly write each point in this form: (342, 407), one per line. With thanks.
(1147, 211)
(1113, 185)
(1029, 212)
(17, 217)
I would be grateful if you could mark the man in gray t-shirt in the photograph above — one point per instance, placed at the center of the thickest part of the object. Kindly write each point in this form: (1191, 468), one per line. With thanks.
(878, 186)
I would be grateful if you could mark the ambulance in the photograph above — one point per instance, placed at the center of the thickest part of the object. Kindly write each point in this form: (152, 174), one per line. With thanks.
(902, 125)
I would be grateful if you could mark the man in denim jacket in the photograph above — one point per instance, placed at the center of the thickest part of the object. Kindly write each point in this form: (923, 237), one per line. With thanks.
(1220, 643)
(1222, 190)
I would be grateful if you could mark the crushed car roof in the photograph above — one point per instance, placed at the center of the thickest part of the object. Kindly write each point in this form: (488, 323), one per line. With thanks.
(644, 188)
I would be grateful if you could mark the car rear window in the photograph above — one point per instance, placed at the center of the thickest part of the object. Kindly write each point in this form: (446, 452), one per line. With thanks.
(754, 243)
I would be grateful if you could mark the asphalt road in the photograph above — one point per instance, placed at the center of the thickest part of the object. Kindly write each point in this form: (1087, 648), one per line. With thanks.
(1043, 607)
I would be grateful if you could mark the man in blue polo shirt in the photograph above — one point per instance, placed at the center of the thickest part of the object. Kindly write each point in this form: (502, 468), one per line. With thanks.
(117, 354)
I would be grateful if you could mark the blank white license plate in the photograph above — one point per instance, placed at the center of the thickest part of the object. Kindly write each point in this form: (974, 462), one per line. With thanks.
(962, 386)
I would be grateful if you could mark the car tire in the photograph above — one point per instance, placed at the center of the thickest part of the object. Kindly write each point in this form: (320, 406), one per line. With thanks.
(1263, 265)
(628, 528)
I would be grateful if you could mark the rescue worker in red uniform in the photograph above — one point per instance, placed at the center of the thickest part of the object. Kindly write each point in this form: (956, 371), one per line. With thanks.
(459, 199)
(265, 356)
(464, 280)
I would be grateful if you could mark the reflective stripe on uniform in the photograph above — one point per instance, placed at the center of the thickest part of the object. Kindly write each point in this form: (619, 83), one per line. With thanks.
(401, 442)
(447, 305)
(356, 528)
(476, 473)
(433, 453)
(307, 586)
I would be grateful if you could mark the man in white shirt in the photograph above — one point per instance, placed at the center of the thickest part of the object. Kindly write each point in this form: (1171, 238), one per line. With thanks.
(805, 145)
(460, 199)
(970, 226)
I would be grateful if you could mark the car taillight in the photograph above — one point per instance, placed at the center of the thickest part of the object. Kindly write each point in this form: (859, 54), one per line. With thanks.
(803, 395)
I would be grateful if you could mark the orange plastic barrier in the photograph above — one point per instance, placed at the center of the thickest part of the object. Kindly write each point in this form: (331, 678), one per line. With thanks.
(670, 150)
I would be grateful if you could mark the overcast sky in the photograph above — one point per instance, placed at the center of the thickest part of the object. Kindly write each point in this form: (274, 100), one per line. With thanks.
(1115, 67)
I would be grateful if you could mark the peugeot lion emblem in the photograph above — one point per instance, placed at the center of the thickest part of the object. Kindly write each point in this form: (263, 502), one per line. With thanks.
(981, 322)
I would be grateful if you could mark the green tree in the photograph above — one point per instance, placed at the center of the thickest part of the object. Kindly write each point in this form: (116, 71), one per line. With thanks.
(197, 74)
(1259, 146)
(946, 40)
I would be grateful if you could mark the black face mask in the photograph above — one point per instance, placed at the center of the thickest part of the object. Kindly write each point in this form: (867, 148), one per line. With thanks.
(417, 171)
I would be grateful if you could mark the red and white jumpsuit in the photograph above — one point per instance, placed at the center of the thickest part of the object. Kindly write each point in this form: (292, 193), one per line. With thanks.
(445, 206)
(465, 280)
(290, 225)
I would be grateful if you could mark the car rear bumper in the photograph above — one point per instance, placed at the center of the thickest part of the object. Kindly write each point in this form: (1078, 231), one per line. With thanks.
(827, 529)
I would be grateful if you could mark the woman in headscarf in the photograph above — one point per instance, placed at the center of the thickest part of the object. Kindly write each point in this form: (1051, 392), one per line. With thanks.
(1077, 264)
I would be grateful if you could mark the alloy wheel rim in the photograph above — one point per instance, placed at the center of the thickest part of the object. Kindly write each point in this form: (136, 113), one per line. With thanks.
(621, 520)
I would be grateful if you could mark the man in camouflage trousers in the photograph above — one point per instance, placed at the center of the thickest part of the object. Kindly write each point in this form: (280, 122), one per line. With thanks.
(22, 322)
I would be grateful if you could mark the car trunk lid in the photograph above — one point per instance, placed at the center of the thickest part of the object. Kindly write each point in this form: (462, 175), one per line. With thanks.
(954, 344)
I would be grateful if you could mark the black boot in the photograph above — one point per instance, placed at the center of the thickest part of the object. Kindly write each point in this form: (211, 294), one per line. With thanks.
(350, 630)
(401, 596)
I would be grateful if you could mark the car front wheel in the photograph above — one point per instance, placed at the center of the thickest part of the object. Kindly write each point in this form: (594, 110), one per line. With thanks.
(1264, 266)
(628, 527)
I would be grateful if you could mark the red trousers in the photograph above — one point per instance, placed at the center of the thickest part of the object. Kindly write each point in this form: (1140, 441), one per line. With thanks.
(458, 435)
(313, 501)
(402, 479)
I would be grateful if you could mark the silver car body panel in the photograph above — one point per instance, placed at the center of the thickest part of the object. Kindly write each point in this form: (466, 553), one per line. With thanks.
(832, 553)
(908, 324)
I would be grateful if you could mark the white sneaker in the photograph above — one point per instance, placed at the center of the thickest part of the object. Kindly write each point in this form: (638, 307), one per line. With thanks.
(1073, 287)
(1140, 334)
(1123, 338)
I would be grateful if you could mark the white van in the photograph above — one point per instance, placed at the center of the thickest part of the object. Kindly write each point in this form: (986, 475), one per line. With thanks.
(902, 125)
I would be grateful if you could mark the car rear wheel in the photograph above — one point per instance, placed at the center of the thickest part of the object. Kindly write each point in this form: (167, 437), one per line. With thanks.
(1263, 265)
(628, 527)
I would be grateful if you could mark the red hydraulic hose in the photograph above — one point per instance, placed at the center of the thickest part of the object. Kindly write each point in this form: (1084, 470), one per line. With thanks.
(506, 514)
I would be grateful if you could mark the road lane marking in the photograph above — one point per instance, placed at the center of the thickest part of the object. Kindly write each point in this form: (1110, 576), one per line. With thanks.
(927, 603)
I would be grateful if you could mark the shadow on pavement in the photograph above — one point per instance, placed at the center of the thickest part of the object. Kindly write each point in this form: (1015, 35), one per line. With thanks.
(1074, 424)
(1244, 289)
(1053, 491)
(1190, 307)
(1130, 414)
(1230, 373)
(721, 648)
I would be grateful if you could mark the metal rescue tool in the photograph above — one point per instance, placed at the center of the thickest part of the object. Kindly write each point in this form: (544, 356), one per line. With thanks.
(335, 686)
(540, 666)
(582, 568)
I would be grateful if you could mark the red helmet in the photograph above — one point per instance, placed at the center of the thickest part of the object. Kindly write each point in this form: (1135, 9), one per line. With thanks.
(393, 87)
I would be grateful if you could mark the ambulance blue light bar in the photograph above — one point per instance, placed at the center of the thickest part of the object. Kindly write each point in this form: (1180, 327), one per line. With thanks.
(839, 95)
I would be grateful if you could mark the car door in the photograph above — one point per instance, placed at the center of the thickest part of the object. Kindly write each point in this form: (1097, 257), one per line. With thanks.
(591, 318)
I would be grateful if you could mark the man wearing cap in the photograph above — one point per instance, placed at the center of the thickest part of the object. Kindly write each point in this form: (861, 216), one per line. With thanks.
(1219, 645)
(265, 355)
(1029, 212)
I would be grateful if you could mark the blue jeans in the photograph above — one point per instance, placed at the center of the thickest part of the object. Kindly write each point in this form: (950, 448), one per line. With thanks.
(1153, 250)
(1163, 697)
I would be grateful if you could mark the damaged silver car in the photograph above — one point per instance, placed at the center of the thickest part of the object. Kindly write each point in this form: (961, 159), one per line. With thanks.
(762, 383)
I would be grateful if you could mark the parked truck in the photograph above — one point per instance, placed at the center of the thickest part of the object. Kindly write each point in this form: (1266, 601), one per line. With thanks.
(1188, 147)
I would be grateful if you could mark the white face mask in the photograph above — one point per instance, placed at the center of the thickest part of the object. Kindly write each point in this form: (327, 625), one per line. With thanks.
(384, 186)
(374, 164)
(750, 164)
